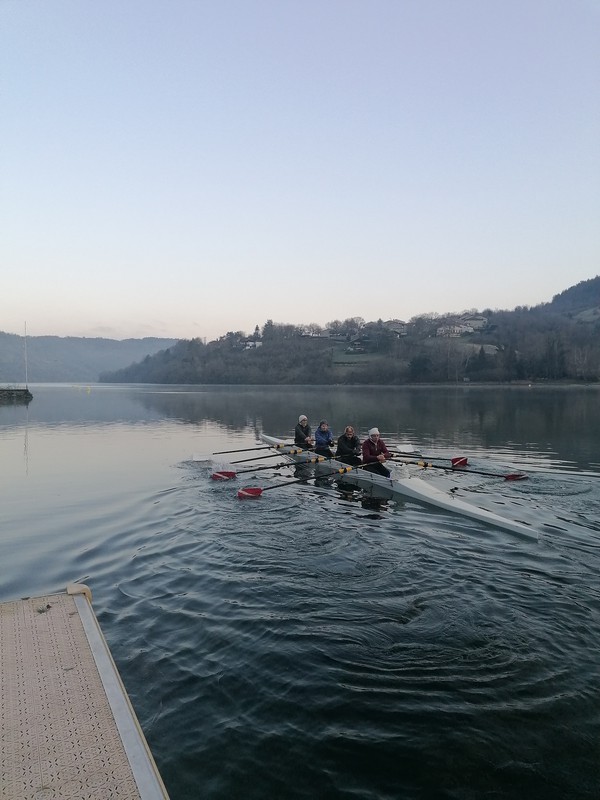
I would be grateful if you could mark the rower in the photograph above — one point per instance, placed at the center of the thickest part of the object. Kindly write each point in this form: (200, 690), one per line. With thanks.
(348, 447)
(323, 440)
(375, 453)
(303, 433)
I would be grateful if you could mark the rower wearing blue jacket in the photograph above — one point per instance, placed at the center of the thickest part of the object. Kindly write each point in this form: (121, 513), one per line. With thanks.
(323, 440)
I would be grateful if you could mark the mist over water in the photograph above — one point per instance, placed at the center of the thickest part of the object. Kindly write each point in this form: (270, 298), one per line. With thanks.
(301, 645)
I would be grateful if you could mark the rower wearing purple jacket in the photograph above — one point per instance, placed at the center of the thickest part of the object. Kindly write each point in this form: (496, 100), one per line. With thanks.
(375, 453)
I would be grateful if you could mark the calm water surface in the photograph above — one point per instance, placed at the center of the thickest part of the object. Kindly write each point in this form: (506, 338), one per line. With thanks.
(300, 645)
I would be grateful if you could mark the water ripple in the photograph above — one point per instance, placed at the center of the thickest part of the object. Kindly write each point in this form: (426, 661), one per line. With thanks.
(301, 646)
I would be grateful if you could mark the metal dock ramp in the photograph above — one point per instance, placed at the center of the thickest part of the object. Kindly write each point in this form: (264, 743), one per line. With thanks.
(67, 727)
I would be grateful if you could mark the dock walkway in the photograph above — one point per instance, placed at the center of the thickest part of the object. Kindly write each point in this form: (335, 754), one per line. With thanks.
(67, 727)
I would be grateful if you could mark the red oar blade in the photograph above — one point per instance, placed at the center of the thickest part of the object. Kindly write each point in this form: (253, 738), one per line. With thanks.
(459, 461)
(249, 491)
(223, 475)
(516, 476)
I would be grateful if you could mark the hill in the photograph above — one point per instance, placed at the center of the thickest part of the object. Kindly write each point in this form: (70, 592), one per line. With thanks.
(559, 340)
(81, 359)
(583, 297)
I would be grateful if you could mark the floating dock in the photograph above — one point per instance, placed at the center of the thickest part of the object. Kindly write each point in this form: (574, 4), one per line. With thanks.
(67, 727)
(9, 395)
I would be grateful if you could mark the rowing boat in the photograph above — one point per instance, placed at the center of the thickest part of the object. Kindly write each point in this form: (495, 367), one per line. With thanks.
(394, 488)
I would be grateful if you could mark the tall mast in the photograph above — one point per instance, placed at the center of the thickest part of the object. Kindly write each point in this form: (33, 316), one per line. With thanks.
(26, 386)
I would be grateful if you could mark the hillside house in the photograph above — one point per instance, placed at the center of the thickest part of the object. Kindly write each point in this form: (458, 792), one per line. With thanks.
(475, 321)
(454, 330)
(396, 326)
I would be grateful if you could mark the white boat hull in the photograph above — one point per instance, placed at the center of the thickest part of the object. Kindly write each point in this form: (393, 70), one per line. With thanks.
(413, 488)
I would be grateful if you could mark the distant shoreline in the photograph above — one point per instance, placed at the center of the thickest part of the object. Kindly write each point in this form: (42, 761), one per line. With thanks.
(459, 385)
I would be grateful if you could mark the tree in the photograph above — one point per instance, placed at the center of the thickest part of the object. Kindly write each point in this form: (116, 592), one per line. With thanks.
(313, 329)
(352, 326)
(425, 324)
(419, 368)
(554, 360)
(268, 330)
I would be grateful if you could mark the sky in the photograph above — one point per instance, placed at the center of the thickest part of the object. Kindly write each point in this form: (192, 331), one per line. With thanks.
(184, 168)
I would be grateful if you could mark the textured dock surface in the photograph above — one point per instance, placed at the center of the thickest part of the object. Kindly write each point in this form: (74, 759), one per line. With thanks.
(67, 729)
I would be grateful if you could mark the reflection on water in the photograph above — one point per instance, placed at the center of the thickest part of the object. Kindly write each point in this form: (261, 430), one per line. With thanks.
(441, 416)
(302, 644)
(560, 423)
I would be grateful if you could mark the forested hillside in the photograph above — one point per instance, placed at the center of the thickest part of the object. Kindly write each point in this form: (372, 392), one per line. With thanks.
(59, 359)
(583, 296)
(554, 341)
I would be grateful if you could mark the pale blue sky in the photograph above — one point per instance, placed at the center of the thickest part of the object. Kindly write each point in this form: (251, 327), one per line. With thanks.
(184, 168)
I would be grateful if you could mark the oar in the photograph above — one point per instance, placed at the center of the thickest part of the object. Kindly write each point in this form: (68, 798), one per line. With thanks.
(241, 450)
(456, 461)
(245, 449)
(513, 476)
(207, 456)
(256, 491)
(228, 474)
(574, 473)
(292, 452)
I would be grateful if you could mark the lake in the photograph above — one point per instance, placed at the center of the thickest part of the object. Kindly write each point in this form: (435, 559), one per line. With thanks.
(302, 645)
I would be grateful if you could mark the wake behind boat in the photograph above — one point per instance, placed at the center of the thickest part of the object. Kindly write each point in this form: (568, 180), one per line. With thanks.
(394, 488)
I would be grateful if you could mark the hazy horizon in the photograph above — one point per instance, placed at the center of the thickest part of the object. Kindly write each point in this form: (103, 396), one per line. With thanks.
(281, 321)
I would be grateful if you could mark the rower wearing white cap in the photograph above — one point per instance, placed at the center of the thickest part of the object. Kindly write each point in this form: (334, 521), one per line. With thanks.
(375, 453)
(303, 433)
